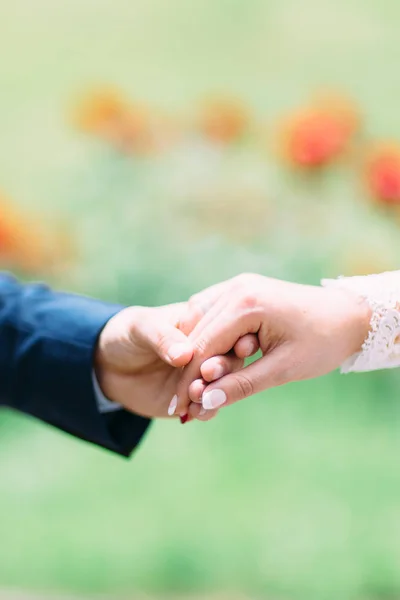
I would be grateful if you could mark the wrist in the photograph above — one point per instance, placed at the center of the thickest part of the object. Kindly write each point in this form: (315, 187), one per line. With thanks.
(357, 322)
(104, 404)
(98, 358)
(101, 364)
(100, 374)
(113, 350)
(362, 322)
(116, 356)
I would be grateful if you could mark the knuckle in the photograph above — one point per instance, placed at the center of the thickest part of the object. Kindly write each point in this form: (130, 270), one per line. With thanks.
(246, 289)
(245, 385)
(248, 300)
(201, 346)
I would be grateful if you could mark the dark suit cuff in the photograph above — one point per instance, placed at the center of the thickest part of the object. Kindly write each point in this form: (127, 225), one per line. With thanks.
(64, 395)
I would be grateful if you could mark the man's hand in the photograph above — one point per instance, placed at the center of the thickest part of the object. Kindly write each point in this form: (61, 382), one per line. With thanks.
(140, 355)
(303, 332)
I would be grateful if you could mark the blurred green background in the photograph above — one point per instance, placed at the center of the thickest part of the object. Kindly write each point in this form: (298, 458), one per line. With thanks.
(295, 493)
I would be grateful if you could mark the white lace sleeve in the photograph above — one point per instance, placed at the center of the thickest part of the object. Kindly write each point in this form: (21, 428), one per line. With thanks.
(381, 349)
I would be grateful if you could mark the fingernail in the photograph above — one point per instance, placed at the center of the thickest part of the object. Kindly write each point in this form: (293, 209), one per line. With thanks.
(177, 350)
(172, 406)
(213, 399)
(202, 412)
(184, 419)
(218, 372)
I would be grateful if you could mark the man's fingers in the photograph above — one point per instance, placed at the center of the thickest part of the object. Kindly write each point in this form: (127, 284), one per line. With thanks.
(246, 346)
(218, 366)
(218, 337)
(213, 369)
(196, 390)
(170, 344)
(272, 370)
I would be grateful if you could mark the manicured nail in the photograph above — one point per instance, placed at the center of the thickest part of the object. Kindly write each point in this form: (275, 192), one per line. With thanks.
(218, 372)
(177, 350)
(184, 419)
(213, 399)
(172, 406)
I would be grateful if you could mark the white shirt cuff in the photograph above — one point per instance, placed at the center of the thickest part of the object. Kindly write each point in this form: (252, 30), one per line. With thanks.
(103, 404)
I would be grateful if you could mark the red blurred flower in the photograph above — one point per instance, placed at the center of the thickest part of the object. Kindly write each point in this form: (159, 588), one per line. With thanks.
(223, 120)
(383, 174)
(318, 134)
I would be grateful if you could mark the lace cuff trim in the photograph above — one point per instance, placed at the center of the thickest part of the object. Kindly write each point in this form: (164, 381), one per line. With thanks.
(381, 349)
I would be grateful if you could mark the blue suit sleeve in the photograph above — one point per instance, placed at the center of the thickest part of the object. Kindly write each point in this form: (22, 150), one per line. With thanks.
(47, 342)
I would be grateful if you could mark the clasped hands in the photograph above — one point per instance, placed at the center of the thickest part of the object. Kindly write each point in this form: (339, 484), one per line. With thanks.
(188, 360)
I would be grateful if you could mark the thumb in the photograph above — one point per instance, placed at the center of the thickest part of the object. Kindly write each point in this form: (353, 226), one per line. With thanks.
(267, 372)
(169, 343)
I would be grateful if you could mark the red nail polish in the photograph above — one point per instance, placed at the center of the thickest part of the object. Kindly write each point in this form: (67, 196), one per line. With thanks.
(184, 419)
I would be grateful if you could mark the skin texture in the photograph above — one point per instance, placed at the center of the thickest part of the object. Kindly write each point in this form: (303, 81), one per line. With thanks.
(303, 332)
(140, 355)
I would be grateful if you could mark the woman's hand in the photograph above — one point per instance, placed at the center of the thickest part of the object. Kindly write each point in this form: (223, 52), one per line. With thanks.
(303, 332)
(140, 355)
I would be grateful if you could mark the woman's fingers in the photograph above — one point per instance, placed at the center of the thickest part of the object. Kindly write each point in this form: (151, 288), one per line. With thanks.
(195, 410)
(218, 337)
(274, 369)
(212, 369)
(199, 305)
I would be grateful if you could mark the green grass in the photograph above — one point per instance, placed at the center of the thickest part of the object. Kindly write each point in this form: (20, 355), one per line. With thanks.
(294, 494)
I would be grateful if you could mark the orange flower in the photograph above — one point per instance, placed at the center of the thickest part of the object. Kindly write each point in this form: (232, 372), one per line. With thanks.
(105, 114)
(24, 245)
(383, 174)
(318, 134)
(223, 120)
(99, 111)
